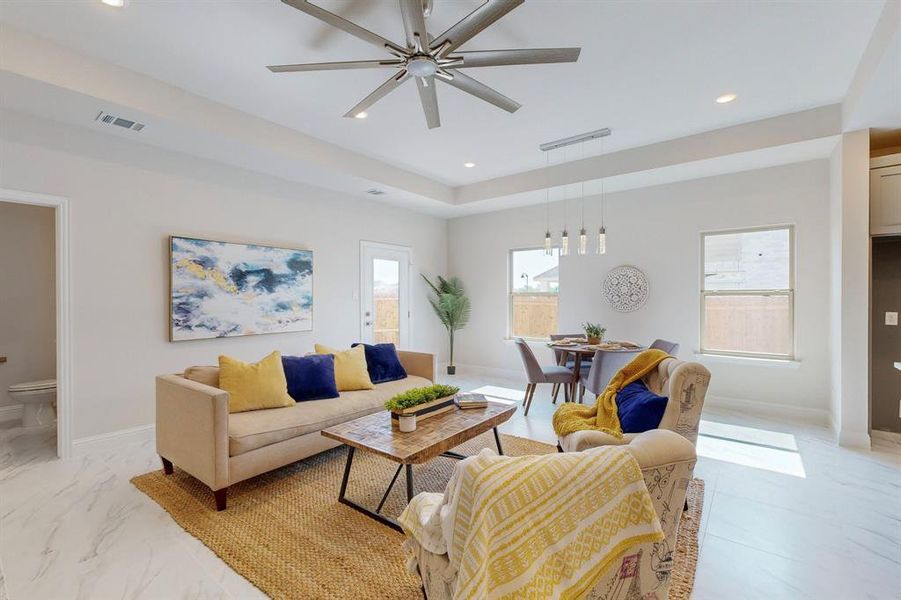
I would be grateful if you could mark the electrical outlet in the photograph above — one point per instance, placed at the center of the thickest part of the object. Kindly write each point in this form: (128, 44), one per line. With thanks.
(891, 318)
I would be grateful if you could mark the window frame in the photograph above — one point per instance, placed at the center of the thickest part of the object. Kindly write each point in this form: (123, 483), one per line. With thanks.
(787, 292)
(511, 293)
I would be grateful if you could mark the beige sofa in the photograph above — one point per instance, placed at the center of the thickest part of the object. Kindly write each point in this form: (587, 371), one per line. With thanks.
(195, 431)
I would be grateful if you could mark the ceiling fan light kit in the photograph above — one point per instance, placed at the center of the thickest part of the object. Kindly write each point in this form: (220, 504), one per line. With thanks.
(429, 59)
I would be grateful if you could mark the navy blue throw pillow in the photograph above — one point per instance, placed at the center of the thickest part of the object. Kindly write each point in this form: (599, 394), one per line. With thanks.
(639, 408)
(382, 362)
(310, 377)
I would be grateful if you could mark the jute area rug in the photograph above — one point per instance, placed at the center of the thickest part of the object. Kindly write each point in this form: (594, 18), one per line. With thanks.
(286, 533)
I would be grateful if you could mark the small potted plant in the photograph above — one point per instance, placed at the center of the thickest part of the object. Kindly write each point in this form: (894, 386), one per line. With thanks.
(594, 332)
(420, 403)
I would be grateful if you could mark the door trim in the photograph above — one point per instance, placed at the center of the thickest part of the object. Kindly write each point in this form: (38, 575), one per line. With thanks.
(366, 244)
(63, 311)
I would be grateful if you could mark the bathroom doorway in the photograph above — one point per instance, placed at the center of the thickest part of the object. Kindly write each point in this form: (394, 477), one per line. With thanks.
(34, 333)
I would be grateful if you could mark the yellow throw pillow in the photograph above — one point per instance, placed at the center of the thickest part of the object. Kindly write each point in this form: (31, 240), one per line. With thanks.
(252, 386)
(350, 368)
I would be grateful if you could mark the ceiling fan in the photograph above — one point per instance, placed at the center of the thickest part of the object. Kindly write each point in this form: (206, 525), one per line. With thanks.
(427, 58)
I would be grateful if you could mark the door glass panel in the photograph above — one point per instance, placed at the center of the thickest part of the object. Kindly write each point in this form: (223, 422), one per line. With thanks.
(386, 301)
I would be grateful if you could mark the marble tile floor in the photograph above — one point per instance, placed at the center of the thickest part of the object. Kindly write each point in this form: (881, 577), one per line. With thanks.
(787, 515)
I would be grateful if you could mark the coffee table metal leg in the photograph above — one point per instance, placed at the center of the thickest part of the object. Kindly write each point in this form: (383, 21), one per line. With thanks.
(342, 498)
(409, 477)
(388, 491)
(497, 440)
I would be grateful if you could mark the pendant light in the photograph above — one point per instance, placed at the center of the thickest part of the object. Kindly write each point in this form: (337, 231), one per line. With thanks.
(548, 242)
(602, 232)
(583, 237)
(564, 239)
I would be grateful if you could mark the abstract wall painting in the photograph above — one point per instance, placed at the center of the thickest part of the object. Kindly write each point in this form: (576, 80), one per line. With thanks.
(220, 289)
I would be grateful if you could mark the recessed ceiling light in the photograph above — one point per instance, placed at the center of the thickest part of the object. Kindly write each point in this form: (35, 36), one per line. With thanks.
(116, 3)
(726, 98)
(469, 165)
(361, 115)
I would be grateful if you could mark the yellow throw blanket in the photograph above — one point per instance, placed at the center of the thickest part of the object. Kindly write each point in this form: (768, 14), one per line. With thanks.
(572, 417)
(535, 527)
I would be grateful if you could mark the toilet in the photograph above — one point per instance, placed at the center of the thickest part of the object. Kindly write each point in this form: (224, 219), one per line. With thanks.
(37, 398)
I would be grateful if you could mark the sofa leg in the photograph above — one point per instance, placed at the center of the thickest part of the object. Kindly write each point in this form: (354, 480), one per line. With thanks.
(167, 466)
(685, 508)
(221, 496)
(559, 447)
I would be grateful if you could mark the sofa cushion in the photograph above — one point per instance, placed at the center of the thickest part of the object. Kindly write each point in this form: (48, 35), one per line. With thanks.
(254, 386)
(382, 362)
(310, 377)
(207, 375)
(251, 430)
(350, 368)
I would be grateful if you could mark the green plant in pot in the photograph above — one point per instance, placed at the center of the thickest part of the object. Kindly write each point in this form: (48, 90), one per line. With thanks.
(452, 308)
(594, 332)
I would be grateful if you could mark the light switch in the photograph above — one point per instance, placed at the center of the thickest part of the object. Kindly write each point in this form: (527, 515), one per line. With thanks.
(891, 318)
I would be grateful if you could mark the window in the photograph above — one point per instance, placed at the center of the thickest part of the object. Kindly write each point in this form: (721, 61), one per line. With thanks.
(747, 295)
(534, 285)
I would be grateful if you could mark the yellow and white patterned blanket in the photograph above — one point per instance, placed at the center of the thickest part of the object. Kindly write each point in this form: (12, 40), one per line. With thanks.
(535, 527)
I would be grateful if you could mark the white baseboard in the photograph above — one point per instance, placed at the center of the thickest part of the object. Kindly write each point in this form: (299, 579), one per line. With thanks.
(112, 440)
(813, 416)
(854, 439)
(11, 413)
(888, 436)
(516, 375)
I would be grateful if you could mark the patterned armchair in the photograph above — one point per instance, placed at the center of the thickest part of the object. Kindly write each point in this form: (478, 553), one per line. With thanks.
(667, 463)
(684, 383)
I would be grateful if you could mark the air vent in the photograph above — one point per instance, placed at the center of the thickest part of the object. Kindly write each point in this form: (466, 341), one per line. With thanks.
(122, 122)
(375, 192)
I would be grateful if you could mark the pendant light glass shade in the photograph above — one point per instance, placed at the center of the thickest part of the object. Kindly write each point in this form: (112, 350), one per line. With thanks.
(583, 242)
(564, 244)
(548, 244)
(602, 240)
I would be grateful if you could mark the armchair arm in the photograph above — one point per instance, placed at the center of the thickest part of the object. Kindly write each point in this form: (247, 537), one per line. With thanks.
(685, 389)
(589, 438)
(421, 364)
(192, 428)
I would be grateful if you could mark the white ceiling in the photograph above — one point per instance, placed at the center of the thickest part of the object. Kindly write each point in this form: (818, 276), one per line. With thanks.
(648, 70)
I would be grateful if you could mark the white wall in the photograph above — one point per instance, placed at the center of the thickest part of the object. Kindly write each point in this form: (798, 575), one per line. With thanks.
(850, 279)
(27, 289)
(121, 215)
(658, 230)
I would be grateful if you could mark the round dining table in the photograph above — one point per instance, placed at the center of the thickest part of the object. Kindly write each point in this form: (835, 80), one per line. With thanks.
(619, 357)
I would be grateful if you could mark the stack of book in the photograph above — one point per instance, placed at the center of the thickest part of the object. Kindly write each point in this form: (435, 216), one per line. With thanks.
(468, 400)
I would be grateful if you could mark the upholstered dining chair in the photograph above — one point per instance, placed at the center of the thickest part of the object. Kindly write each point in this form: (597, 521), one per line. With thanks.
(604, 366)
(671, 348)
(535, 373)
(560, 358)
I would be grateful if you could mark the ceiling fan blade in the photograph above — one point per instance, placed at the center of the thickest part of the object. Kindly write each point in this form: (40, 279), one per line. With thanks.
(480, 90)
(475, 22)
(341, 23)
(379, 93)
(531, 56)
(429, 99)
(335, 66)
(414, 23)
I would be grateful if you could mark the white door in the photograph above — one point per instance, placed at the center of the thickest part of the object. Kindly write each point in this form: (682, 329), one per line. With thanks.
(385, 297)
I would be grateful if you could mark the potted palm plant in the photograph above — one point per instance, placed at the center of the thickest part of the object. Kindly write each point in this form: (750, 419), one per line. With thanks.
(452, 308)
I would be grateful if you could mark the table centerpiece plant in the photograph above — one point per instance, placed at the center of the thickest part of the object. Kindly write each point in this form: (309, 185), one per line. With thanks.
(421, 403)
(594, 332)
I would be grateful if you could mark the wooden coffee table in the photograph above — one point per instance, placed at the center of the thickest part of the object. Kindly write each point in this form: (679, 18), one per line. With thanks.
(432, 438)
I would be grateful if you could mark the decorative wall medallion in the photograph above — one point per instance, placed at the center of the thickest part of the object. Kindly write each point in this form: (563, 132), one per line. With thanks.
(626, 288)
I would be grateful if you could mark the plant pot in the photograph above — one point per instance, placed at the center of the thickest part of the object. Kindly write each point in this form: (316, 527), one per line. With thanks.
(426, 410)
(593, 340)
(407, 423)
(451, 370)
